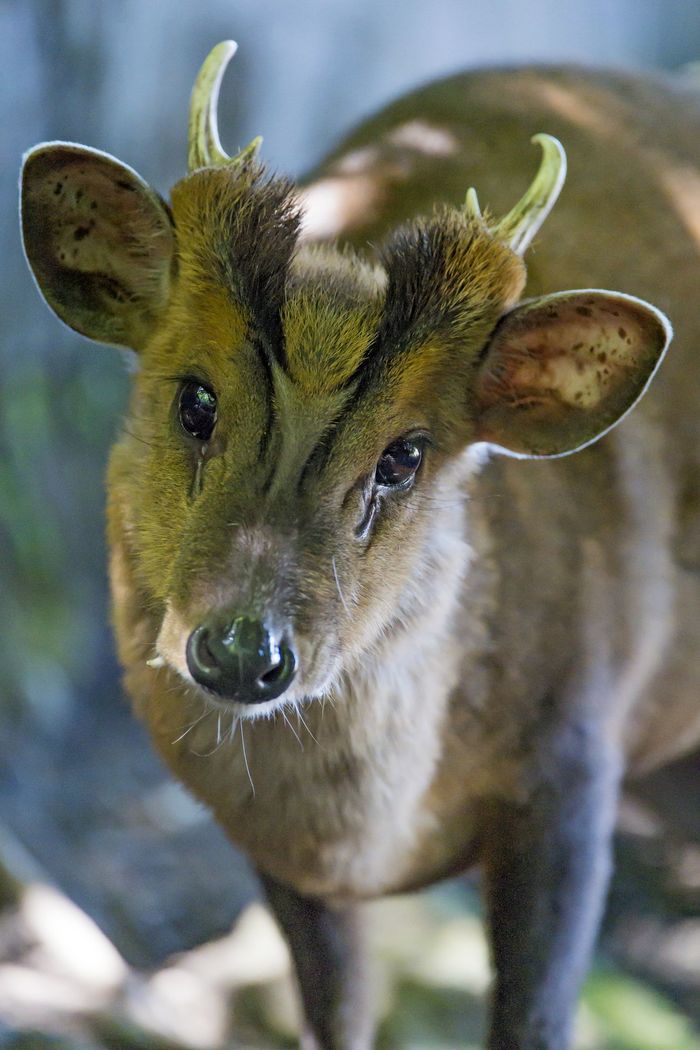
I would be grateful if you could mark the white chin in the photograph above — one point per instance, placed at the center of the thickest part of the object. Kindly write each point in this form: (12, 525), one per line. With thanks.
(293, 697)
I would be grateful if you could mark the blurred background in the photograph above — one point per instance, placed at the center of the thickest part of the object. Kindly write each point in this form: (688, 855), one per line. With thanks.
(126, 921)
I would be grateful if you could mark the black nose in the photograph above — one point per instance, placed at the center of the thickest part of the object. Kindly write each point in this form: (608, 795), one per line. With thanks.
(239, 659)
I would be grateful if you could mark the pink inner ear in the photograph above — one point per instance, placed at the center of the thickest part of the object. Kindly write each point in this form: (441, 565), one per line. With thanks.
(562, 369)
(100, 225)
(576, 357)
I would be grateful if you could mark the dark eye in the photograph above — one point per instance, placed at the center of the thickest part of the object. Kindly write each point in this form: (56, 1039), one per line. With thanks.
(197, 409)
(398, 463)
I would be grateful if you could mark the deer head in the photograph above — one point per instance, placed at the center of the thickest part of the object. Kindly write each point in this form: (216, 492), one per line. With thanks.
(300, 414)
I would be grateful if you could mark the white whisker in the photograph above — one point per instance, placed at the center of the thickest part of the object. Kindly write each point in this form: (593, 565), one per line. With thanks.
(234, 726)
(328, 698)
(245, 759)
(282, 712)
(190, 727)
(305, 725)
(338, 587)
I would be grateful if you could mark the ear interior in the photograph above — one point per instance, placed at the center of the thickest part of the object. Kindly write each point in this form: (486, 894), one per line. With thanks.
(561, 370)
(99, 242)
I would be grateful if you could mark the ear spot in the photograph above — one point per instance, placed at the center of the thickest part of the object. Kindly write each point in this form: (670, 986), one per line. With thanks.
(99, 242)
(561, 370)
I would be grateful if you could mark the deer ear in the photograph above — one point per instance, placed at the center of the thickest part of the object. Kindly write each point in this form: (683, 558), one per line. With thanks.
(99, 241)
(560, 371)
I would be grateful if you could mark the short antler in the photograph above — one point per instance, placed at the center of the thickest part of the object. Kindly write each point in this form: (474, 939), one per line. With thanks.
(205, 149)
(520, 225)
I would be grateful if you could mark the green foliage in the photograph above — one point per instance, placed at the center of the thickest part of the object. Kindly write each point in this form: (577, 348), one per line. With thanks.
(632, 1016)
(56, 422)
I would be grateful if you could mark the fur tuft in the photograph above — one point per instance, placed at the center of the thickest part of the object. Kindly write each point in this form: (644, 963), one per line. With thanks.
(240, 229)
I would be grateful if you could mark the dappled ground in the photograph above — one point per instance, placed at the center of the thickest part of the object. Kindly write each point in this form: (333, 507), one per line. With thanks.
(63, 985)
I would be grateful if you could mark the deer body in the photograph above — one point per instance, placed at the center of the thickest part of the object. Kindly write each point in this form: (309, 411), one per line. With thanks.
(638, 138)
(530, 636)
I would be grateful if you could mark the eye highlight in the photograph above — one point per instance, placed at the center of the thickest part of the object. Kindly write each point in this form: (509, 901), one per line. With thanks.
(398, 463)
(197, 410)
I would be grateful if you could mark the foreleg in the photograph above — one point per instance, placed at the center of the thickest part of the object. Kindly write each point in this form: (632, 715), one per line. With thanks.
(325, 943)
(547, 865)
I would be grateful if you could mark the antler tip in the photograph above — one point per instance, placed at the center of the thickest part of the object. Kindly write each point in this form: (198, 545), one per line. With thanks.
(520, 225)
(471, 205)
(205, 148)
(551, 146)
(222, 53)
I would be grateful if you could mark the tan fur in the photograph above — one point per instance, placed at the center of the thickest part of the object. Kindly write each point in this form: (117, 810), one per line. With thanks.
(409, 738)
(442, 633)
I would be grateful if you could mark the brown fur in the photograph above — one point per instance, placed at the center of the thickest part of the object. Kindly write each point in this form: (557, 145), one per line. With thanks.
(504, 597)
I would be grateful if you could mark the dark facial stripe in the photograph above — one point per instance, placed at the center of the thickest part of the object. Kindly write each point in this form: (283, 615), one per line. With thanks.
(267, 394)
(256, 235)
(414, 303)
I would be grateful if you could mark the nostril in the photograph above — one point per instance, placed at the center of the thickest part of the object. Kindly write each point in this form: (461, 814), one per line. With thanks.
(205, 656)
(276, 678)
(200, 659)
(271, 676)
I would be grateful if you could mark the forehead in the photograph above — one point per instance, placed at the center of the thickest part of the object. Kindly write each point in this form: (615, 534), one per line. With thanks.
(282, 388)
(330, 318)
(327, 324)
(311, 311)
(320, 321)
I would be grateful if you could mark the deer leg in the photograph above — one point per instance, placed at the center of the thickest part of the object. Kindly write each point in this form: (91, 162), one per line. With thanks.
(547, 865)
(326, 947)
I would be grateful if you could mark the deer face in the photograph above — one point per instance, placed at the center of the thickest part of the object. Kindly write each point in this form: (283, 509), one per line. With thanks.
(296, 436)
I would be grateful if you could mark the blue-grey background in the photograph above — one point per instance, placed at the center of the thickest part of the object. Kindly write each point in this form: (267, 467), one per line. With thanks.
(82, 800)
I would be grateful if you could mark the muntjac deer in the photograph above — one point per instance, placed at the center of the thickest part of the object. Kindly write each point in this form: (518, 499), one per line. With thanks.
(344, 491)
